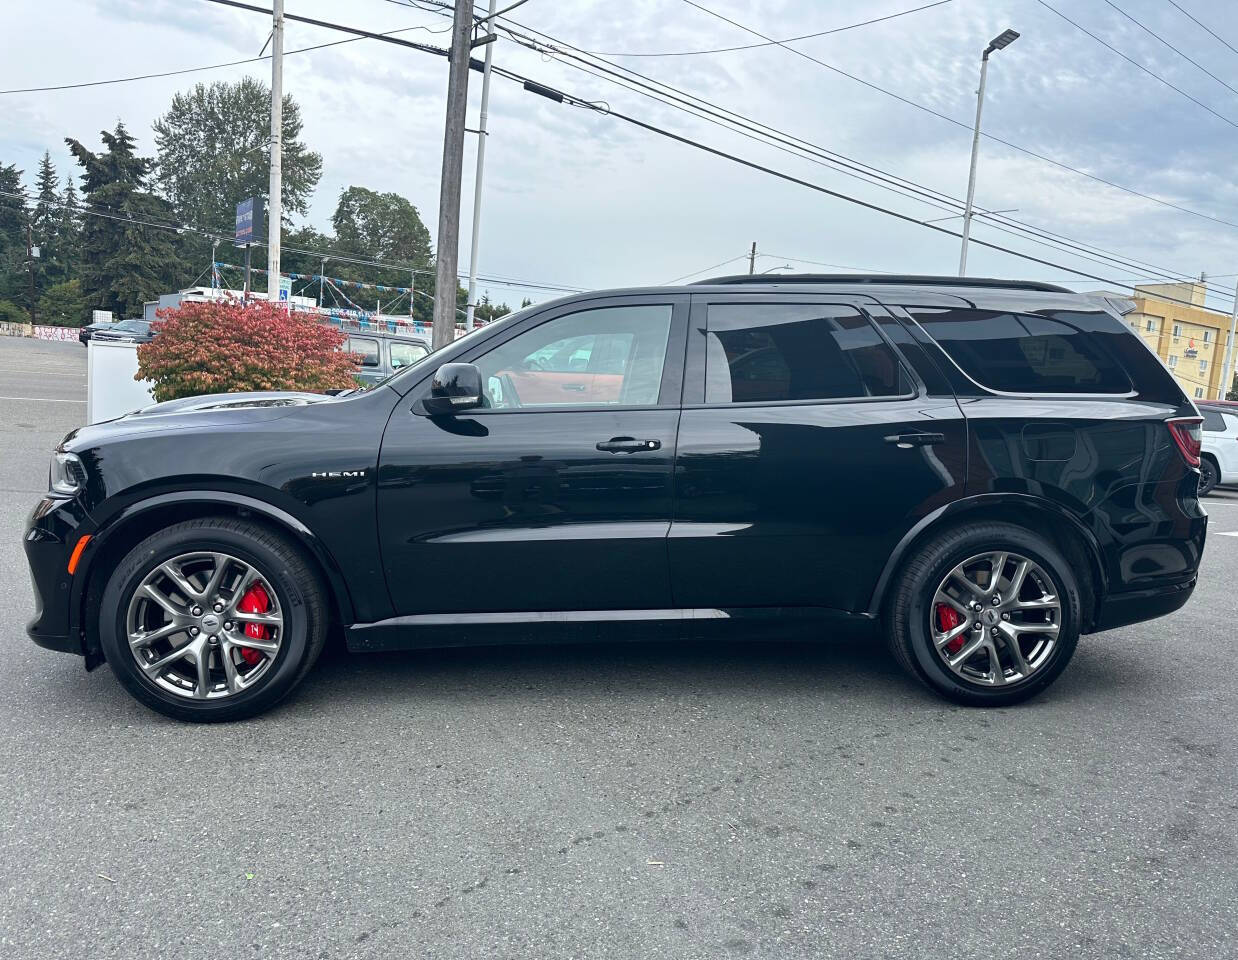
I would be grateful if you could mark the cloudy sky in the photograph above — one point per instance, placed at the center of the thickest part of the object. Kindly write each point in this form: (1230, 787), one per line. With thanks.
(582, 199)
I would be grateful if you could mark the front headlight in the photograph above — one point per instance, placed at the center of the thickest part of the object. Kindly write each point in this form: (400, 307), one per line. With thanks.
(67, 475)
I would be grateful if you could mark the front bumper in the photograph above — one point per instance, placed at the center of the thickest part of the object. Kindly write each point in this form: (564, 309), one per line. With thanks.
(1120, 609)
(51, 533)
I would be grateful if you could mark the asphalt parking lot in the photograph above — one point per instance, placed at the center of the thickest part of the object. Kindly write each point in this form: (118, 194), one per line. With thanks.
(658, 800)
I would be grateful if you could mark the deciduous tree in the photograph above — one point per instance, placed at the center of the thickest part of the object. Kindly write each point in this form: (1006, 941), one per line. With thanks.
(212, 154)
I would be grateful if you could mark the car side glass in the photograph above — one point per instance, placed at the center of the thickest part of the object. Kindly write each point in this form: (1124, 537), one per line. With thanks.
(556, 362)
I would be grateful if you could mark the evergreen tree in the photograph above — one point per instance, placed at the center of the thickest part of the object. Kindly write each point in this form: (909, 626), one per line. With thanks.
(45, 226)
(124, 263)
(70, 228)
(14, 286)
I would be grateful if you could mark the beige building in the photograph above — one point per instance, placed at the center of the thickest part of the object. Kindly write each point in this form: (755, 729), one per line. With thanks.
(1189, 338)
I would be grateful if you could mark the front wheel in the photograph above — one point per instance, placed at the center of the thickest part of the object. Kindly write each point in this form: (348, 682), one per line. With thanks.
(212, 619)
(986, 614)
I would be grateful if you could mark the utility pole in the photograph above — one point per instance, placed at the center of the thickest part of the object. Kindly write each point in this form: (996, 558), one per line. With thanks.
(275, 206)
(449, 186)
(322, 278)
(752, 259)
(481, 165)
(1000, 42)
(214, 260)
(1227, 373)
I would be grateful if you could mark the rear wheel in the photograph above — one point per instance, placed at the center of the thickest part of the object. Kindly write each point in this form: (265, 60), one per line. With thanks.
(1209, 475)
(986, 614)
(212, 619)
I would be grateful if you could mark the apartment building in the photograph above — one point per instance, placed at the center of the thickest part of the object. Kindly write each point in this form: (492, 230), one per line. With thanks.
(1189, 338)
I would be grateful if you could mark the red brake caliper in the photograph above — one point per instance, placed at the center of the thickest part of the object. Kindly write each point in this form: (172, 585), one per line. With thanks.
(254, 601)
(947, 619)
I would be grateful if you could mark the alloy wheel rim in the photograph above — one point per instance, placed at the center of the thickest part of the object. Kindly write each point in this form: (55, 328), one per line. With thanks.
(995, 619)
(204, 625)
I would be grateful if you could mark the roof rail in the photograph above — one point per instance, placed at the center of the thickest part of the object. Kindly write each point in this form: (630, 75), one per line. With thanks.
(885, 279)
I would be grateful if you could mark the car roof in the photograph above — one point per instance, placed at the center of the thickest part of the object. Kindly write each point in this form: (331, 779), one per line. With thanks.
(881, 280)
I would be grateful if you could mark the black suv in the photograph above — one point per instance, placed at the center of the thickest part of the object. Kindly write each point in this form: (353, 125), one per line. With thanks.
(981, 470)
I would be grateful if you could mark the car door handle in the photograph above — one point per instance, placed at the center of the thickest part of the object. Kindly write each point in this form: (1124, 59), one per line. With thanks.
(578, 387)
(906, 441)
(628, 445)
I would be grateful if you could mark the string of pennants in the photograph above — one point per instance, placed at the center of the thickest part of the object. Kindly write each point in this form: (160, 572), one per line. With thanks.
(358, 312)
(336, 281)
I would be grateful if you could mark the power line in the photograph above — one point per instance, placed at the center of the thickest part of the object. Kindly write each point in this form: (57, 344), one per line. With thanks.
(667, 283)
(1157, 36)
(212, 66)
(572, 100)
(704, 109)
(576, 101)
(338, 256)
(822, 263)
(328, 25)
(1202, 26)
(753, 165)
(968, 126)
(1135, 63)
(754, 46)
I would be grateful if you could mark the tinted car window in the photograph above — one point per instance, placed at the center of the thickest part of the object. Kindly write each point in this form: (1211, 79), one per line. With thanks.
(364, 348)
(1023, 353)
(1214, 421)
(610, 355)
(765, 352)
(404, 353)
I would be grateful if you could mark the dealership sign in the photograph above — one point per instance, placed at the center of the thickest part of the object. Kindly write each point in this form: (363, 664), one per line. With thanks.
(249, 221)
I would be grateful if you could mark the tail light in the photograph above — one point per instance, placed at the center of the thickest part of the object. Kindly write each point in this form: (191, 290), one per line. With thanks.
(1187, 435)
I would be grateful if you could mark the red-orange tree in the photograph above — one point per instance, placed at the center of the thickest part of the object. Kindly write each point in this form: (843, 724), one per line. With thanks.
(229, 346)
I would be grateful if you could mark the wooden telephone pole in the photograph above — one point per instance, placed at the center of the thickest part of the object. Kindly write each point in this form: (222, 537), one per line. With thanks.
(449, 188)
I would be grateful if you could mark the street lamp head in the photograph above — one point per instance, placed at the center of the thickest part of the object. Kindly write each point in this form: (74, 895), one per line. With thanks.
(1001, 41)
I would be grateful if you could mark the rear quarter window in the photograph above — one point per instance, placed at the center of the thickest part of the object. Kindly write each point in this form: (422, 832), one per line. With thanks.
(1214, 421)
(1024, 353)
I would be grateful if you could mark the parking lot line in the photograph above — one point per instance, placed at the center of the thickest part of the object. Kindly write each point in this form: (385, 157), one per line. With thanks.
(42, 399)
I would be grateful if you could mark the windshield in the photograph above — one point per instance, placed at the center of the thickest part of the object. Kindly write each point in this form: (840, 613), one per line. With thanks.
(131, 326)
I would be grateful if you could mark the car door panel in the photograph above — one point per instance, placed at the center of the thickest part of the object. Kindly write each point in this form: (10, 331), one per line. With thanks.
(800, 503)
(516, 509)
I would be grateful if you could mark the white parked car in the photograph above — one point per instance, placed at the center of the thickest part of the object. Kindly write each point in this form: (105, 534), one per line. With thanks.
(1219, 457)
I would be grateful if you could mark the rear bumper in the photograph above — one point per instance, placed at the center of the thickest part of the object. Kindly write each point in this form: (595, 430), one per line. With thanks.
(1118, 610)
(48, 541)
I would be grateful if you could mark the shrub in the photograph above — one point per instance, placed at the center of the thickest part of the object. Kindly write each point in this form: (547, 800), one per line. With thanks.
(230, 346)
(12, 313)
(64, 305)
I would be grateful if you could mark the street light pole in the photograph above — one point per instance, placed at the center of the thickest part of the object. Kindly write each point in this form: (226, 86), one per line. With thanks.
(487, 24)
(1227, 372)
(1003, 39)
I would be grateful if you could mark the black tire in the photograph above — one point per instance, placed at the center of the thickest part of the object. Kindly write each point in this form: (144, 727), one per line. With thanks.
(1209, 475)
(298, 590)
(907, 611)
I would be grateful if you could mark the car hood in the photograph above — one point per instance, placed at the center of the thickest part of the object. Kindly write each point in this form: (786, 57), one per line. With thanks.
(231, 401)
(188, 413)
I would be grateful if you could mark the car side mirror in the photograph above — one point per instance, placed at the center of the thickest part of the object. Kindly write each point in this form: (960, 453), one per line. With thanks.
(455, 387)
